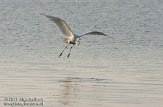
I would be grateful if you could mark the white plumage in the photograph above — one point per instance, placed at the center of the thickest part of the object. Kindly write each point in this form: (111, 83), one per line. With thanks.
(70, 38)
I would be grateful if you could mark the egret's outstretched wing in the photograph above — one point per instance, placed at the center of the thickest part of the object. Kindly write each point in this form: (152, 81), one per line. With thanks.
(95, 33)
(61, 24)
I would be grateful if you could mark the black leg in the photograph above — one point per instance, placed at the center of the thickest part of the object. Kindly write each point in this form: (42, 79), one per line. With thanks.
(63, 51)
(70, 51)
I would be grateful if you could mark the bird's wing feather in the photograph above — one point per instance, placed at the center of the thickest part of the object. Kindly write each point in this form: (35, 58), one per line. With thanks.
(61, 24)
(95, 33)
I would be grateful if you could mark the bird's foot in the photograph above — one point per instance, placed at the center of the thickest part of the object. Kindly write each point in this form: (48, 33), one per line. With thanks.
(68, 55)
(60, 55)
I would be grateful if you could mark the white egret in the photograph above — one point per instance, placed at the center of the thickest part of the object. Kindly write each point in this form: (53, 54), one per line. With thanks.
(70, 38)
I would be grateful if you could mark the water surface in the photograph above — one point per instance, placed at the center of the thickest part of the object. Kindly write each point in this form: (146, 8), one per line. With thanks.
(101, 72)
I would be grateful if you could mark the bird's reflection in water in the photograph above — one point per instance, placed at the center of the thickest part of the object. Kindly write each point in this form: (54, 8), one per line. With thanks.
(69, 90)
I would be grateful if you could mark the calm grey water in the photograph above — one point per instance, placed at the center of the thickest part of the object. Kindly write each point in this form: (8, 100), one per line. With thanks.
(126, 72)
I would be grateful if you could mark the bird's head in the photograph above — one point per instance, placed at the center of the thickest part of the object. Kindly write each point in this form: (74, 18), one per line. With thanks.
(78, 41)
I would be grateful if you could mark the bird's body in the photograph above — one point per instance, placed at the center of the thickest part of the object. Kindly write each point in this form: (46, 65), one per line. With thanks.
(70, 38)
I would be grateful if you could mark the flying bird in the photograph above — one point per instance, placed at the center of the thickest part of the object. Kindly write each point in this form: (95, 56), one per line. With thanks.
(70, 37)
